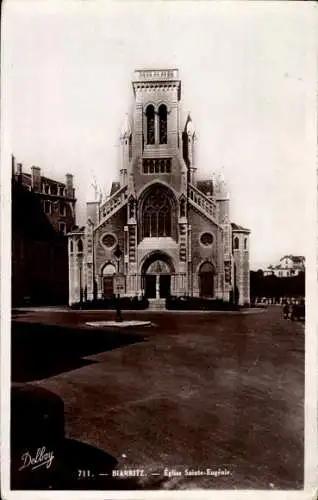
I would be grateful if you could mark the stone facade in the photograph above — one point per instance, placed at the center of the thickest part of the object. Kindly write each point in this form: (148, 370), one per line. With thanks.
(161, 231)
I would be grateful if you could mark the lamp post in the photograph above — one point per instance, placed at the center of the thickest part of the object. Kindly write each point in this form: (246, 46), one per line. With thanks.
(93, 264)
(118, 254)
(80, 261)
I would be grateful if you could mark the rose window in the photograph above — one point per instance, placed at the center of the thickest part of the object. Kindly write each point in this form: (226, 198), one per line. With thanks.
(109, 240)
(206, 239)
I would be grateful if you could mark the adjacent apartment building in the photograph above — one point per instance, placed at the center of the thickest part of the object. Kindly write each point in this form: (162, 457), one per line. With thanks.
(43, 211)
(288, 266)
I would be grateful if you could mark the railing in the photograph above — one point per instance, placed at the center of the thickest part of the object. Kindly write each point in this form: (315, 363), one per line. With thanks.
(113, 203)
(208, 206)
(156, 74)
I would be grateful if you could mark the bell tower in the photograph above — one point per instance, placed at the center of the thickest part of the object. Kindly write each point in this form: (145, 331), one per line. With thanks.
(156, 117)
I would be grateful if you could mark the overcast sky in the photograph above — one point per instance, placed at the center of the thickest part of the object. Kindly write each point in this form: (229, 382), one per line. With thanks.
(248, 78)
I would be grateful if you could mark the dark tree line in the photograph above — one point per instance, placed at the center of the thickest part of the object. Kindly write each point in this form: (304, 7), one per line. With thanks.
(275, 287)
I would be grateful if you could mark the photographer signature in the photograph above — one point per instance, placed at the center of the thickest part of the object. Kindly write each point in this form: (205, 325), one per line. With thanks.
(42, 457)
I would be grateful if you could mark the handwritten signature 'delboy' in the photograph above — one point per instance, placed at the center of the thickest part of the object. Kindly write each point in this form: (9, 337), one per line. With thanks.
(42, 457)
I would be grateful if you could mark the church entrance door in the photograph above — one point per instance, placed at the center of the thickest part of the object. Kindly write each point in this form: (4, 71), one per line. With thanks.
(150, 286)
(164, 285)
(108, 287)
(157, 277)
(109, 271)
(206, 278)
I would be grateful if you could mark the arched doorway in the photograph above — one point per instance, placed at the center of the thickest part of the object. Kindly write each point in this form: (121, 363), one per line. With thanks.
(156, 276)
(206, 279)
(108, 273)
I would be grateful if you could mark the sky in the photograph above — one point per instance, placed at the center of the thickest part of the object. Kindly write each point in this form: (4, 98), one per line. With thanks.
(248, 74)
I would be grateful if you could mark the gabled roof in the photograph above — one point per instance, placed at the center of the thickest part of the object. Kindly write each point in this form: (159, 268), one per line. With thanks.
(236, 227)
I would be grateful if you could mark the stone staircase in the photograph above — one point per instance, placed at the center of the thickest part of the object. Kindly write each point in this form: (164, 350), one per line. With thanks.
(202, 202)
(113, 204)
(157, 304)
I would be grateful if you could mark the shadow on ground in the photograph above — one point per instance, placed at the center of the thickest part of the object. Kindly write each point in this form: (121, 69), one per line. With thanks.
(75, 466)
(40, 351)
(42, 457)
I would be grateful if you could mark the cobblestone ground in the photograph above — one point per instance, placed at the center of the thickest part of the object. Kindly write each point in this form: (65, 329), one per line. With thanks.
(197, 390)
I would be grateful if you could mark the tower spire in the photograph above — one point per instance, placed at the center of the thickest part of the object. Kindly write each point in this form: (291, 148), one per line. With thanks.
(126, 128)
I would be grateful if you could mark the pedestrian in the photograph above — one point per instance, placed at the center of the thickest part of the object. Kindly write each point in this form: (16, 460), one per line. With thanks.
(118, 317)
(285, 310)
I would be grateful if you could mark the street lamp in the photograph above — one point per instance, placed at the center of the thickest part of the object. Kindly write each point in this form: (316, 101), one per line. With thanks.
(93, 263)
(80, 261)
(118, 254)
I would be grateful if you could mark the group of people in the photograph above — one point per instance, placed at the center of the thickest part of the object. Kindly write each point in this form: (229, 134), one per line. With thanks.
(294, 309)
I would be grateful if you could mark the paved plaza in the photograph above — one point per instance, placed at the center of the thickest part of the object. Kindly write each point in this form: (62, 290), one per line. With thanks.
(196, 390)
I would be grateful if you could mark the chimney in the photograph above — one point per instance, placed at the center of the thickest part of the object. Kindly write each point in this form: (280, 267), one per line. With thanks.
(36, 179)
(69, 186)
(13, 165)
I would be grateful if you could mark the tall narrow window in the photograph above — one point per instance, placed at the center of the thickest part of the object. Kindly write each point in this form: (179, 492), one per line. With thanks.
(130, 147)
(80, 246)
(236, 243)
(183, 208)
(150, 114)
(157, 215)
(162, 124)
(131, 208)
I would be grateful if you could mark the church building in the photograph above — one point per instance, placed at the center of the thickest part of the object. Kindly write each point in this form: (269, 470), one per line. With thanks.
(163, 231)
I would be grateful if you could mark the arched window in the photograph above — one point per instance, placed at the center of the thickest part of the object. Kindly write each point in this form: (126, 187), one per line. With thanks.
(80, 246)
(150, 114)
(245, 243)
(156, 217)
(162, 124)
(71, 246)
(236, 243)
